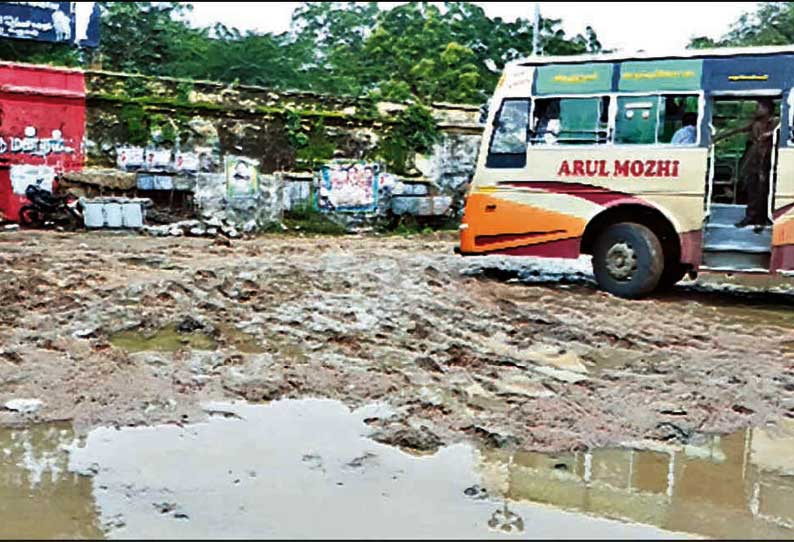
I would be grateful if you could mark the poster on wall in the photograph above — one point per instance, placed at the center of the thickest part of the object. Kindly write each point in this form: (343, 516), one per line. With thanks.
(242, 179)
(186, 161)
(348, 187)
(58, 22)
(23, 175)
(129, 157)
(158, 158)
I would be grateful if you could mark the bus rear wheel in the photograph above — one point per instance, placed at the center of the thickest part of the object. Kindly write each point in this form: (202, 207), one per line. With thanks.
(628, 260)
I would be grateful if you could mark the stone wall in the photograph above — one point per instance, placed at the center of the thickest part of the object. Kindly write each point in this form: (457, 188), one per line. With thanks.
(170, 134)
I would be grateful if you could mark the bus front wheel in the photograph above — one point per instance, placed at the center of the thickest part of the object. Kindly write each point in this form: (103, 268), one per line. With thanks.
(628, 260)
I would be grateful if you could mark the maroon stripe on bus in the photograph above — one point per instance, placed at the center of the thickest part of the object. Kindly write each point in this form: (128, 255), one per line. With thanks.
(782, 258)
(596, 194)
(504, 237)
(563, 248)
(691, 247)
(783, 210)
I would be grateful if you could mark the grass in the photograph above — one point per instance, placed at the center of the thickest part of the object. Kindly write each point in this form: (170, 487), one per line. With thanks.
(408, 225)
(307, 219)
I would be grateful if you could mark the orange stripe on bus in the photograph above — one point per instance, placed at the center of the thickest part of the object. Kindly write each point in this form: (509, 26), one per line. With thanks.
(490, 217)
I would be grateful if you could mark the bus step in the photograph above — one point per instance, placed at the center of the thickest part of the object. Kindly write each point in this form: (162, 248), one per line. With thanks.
(735, 259)
(725, 213)
(737, 238)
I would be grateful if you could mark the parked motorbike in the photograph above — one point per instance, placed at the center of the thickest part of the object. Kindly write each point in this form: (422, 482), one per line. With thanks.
(45, 208)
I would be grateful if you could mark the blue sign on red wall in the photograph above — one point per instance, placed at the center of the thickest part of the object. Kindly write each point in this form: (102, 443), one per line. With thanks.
(60, 22)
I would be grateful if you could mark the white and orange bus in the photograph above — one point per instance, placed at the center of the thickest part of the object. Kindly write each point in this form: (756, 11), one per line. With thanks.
(614, 156)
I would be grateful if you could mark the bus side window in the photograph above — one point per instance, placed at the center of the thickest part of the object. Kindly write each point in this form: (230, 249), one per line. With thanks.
(649, 120)
(679, 120)
(637, 120)
(571, 121)
(509, 140)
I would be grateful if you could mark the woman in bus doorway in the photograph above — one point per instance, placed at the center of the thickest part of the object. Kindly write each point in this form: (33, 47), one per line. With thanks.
(756, 163)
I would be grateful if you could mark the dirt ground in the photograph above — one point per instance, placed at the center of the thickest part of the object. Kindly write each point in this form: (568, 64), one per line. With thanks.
(118, 329)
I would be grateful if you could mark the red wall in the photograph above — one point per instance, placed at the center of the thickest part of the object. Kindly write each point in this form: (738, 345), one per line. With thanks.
(47, 99)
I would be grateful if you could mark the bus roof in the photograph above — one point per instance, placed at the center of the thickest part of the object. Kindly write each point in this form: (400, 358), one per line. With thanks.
(685, 53)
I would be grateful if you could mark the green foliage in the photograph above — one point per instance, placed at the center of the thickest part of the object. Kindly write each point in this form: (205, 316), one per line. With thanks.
(183, 90)
(135, 122)
(409, 225)
(413, 52)
(294, 127)
(141, 127)
(413, 130)
(135, 87)
(306, 218)
(149, 37)
(311, 146)
(318, 148)
(39, 53)
(165, 127)
(772, 23)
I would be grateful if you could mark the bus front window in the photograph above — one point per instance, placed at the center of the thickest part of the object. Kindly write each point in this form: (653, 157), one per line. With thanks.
(508, 147)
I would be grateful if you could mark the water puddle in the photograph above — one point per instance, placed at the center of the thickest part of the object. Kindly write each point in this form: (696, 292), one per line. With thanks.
(171, 338)
(757, 309)
(165, 339)
(306, 468)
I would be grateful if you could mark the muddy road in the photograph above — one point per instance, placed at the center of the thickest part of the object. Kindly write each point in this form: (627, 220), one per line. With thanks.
(118, 351)
(108, 329)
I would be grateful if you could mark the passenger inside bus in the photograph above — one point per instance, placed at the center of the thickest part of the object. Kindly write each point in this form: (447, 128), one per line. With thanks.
(756, 163)
(687, 134)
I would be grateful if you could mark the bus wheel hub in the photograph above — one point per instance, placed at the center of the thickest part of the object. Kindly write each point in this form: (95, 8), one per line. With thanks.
(621, 261)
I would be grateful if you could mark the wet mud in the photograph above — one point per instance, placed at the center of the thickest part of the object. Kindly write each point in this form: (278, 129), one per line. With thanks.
(518, 356)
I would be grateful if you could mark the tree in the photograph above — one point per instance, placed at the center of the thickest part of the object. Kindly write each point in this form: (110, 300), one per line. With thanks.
(455, 55)
(256, 59)
(771, 24)
(148, 37)
(413, 52)
(327, 39)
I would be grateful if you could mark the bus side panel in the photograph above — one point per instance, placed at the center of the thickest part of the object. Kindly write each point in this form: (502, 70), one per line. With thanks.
(527, 223)
(563, 188)
(783, 214)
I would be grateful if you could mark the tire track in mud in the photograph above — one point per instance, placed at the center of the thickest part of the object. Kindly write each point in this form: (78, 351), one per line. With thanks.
(456, 353)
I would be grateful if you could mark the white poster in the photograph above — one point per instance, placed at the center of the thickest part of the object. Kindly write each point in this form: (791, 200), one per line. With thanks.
(23, 175)
(187, 161)
(158, 158)
(129, 157)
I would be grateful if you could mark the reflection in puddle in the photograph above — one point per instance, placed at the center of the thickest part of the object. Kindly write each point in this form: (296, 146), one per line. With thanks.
(301, 469)
(306, 468)
(741, 485)
(39, 497)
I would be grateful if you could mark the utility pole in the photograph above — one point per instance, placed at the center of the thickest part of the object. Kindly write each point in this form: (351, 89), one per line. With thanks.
(536, 31)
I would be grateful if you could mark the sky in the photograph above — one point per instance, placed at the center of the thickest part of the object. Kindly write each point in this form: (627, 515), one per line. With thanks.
(623, 26)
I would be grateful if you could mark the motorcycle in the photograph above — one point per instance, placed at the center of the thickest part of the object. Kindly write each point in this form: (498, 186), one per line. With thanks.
(45, 208)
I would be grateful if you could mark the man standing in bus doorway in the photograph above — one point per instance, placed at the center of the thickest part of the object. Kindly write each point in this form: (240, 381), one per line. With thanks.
(756, 164)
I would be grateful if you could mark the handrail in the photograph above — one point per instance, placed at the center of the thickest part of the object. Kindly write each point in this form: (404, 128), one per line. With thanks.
(710, 184)
(772, 177)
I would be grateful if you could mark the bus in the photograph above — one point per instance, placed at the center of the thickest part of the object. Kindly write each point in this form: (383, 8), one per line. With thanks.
(620, 157)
